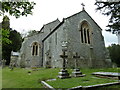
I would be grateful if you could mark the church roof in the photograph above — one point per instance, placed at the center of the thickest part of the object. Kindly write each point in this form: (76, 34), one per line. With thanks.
(87, 14)
(50, 25)
(53, 30)
(63, 22)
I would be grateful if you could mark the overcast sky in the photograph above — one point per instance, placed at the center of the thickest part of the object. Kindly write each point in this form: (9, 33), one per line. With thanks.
(46, 11)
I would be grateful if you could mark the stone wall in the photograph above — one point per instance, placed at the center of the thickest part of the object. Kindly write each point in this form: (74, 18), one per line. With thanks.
(92, 55)
(26, 58)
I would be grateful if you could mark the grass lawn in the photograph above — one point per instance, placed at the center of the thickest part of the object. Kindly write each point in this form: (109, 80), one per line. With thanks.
(19, 78)
(83, 81)
(0, 78)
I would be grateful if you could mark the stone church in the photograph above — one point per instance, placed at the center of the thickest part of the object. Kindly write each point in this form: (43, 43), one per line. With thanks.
(80, 33)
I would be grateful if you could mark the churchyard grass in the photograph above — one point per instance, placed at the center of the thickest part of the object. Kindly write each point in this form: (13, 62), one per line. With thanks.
(83, 81)
(0, 77)
(20, 78)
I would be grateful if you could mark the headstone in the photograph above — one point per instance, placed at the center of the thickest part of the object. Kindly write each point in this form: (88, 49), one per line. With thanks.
(3, 63)
(64, 73)
(12, 64)
(77, 72)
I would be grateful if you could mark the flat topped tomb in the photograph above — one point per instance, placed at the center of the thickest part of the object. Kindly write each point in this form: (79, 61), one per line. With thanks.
(107, 74)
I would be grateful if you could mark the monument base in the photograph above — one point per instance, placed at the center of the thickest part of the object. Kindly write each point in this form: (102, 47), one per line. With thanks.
(63, 74)
(77, 73)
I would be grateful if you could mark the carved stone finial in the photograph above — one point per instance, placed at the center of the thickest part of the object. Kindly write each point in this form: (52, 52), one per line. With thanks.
(83, 5)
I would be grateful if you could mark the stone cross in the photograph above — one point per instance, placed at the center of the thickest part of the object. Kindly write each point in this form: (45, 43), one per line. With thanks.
(76, 56)
(64, 73)
(64, 56)
(77, 72)
(83, 5)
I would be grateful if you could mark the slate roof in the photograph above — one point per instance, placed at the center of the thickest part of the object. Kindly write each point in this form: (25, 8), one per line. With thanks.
(63, 22)
(50, 25)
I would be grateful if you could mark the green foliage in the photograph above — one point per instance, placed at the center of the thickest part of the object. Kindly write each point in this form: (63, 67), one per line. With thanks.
(5, 30)
(16, 39)
(115, 53)
(111, 9)
(11, 40)
(6, 22)
(17, 9)
(5, 36)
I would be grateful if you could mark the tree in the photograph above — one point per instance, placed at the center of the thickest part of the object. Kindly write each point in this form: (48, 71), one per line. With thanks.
(17, 9)
(5, 37)
(5, 30)
(16, 39)
(111, 9)
(115, 53)
(31, 33)
(11, 38)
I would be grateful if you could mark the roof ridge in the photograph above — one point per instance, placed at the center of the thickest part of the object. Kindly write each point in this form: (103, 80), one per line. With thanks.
(74, 14)
(51, 22)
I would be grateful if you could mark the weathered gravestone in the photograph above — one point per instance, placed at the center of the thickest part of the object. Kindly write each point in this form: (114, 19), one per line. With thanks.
(64, 73)
(3, 63)
(14, 58)
(77, 72)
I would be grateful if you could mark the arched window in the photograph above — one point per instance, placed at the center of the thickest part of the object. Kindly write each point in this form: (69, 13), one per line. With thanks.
(85, 32)
(35, 47)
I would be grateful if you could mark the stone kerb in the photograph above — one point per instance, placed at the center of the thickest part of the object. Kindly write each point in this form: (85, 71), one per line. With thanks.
(82, 87)
(107, 74)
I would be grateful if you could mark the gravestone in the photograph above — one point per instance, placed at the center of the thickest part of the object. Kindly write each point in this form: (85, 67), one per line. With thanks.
(12, 64)
(3, 63)
(77, 72)
(64, 73)
(14, 59)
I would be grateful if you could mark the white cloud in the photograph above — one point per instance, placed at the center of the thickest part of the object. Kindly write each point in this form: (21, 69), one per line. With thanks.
(48, 10)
